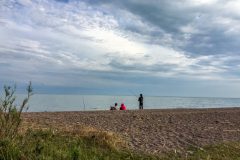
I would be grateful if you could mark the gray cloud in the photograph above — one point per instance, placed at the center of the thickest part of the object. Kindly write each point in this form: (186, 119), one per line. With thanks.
(211, 22)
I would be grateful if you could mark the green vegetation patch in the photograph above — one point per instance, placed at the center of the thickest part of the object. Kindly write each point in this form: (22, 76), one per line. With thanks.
(45, 145)
(224, 151)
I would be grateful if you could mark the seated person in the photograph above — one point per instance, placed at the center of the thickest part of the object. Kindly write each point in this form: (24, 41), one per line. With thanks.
(123, 107)
(114, 107)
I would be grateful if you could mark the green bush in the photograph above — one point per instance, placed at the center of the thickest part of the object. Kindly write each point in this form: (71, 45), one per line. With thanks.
(10, 114)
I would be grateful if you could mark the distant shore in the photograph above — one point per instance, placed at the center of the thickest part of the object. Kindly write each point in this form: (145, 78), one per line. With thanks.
(155, 130)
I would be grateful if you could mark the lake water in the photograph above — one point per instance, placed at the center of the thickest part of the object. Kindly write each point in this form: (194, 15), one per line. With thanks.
(45, 102)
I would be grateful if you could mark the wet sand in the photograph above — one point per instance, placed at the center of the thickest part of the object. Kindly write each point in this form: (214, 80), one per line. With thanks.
(153, 131)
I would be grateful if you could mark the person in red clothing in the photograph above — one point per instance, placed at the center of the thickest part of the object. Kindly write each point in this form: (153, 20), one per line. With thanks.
(123, 107)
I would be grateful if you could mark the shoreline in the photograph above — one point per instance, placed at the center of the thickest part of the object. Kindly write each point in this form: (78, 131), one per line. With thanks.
(151, 130)
(160, 109)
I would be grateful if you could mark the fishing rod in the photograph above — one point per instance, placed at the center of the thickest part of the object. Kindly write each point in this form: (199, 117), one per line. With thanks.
(83, 103)
(133, 93)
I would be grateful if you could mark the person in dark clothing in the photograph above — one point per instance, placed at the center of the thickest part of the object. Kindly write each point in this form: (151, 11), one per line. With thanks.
(114, 107)
(140, 100)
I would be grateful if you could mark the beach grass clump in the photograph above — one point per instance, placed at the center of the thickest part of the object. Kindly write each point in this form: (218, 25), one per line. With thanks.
(10, 113)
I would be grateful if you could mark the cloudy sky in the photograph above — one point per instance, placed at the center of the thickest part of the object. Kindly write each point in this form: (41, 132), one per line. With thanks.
(157, 47)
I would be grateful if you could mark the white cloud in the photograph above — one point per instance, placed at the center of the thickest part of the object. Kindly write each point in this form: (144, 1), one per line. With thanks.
(189, 29)
(232, 6)
(203, 2)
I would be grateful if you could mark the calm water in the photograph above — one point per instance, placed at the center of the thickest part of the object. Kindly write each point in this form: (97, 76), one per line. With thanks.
(44, 102)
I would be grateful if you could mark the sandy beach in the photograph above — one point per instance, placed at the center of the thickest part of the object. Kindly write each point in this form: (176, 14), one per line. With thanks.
(152, 131)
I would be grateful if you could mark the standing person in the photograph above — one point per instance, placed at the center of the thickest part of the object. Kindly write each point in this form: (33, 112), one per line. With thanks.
(123, 107)
(140, 100)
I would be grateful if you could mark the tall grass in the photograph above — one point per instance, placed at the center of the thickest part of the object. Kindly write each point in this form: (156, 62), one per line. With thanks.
(10, 114)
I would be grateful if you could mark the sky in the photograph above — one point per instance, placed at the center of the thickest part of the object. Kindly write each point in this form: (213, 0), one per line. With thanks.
(155, 47)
